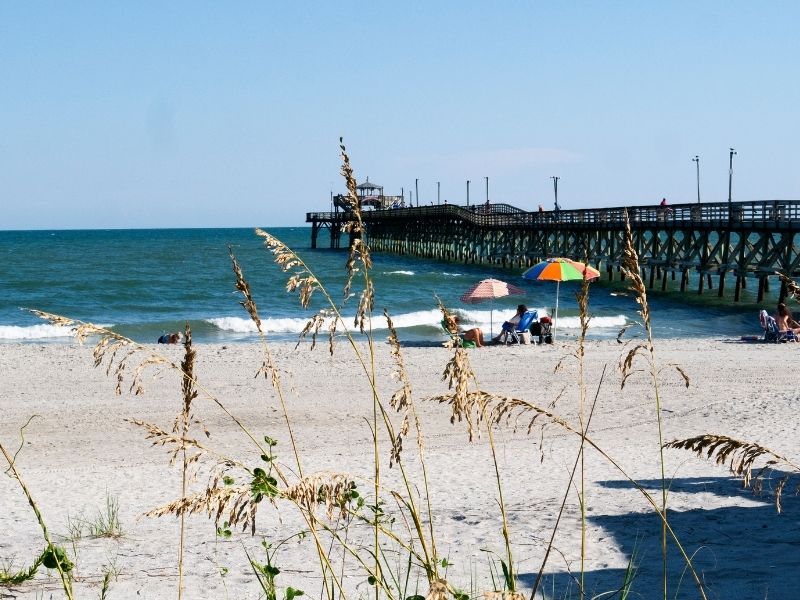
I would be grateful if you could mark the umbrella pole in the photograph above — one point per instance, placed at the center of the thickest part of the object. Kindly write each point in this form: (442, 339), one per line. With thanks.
(491, 319)
(555, 321)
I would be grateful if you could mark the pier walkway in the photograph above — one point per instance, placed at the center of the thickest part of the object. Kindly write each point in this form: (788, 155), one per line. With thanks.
(740, 239)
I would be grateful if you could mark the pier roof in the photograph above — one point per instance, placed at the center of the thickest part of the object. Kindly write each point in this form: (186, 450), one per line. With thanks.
(369, 185)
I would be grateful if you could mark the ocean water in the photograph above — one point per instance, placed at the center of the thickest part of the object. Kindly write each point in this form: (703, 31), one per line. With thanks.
(143, 283)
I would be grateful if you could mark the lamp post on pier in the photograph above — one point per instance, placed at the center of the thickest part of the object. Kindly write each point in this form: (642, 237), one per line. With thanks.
(730, 174)
(416, 188)
(487, 189)
(696, 160)
(555, 191)
(467, 192)
(438, 192)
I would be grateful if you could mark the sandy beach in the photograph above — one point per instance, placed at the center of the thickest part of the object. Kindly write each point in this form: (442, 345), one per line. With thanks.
(78, 450)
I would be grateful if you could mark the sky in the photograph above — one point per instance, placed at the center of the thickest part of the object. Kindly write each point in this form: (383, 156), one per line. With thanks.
(207, 114)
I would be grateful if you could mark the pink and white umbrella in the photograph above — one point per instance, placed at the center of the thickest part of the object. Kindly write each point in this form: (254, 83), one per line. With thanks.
(489, 289)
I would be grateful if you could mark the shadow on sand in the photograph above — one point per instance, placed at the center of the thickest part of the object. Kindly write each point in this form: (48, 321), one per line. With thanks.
(749, 553)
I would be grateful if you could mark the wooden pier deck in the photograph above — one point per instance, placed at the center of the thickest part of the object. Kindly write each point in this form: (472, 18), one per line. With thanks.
(744, 240)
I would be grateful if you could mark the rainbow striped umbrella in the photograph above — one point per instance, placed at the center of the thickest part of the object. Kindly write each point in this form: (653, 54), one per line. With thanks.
(489, 289)
(558, 270)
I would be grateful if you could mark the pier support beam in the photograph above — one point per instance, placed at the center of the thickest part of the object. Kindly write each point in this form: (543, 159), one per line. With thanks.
(689, 242)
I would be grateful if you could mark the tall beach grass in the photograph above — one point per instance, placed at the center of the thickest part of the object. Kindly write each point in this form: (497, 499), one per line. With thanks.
(356, 525)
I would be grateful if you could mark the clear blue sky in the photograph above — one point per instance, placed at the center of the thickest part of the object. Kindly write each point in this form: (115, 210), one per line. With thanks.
(173, 114)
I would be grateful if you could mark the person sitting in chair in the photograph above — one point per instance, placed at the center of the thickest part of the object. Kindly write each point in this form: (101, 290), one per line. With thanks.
(511, 324)
(785, 320)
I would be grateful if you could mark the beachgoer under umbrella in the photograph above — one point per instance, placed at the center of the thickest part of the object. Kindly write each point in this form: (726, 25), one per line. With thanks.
(453, 325)
(509, 325)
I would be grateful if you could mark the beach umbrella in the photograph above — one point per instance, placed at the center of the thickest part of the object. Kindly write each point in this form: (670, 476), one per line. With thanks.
(558, 270)
(489, 289)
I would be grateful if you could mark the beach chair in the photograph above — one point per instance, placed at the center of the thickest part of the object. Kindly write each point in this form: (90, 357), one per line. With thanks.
(517, 334)
(455, 338)
(771, 331)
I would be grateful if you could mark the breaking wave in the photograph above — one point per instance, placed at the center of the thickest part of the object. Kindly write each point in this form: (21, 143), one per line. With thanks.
(34, 332)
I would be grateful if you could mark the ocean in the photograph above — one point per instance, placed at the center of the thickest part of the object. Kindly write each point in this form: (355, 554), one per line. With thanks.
(143, 283)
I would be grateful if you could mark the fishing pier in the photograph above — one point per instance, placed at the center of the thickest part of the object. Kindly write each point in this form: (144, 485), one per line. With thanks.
(724, 243)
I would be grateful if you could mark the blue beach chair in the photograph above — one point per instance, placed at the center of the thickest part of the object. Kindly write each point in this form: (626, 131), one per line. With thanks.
(528, 318)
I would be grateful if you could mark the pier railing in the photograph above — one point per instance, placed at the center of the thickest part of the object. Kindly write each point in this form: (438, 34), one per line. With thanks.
(768, 213)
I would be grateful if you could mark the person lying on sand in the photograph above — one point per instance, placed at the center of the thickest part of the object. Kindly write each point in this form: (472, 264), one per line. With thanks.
(453, 325)
(170, 338)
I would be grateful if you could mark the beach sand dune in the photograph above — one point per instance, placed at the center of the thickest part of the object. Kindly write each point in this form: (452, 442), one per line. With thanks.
(78, 450)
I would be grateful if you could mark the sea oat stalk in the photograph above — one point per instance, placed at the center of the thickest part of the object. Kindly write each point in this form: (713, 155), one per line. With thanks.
(189, 394)
(583, 307)
(631, 268)
(578, 460)
(739, 457)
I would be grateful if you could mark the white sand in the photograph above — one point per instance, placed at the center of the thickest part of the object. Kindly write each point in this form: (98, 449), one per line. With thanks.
(79, 449)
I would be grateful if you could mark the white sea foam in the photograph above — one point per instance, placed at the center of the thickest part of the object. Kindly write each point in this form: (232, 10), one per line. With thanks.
(293, 325)
(34, 332)
(453, 274)
(595, 323)
(420, 318)
(398, 273)
(240, 325)
(413, 319)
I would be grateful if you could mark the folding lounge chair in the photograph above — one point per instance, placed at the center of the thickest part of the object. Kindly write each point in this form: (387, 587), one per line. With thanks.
(458, 338)
(771, 331)
(526, 320)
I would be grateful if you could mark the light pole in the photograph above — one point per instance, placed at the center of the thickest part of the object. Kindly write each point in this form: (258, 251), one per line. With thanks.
(416, 188)
(730, 174)
(696, 160)
(438, 192)
(487, 189)
(467, 192)
(555, 191)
